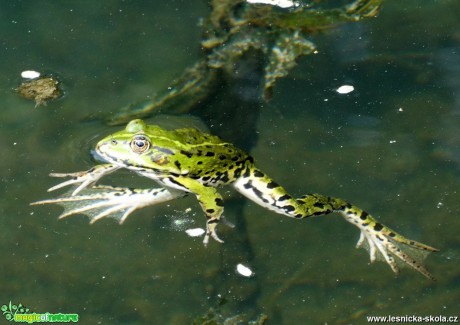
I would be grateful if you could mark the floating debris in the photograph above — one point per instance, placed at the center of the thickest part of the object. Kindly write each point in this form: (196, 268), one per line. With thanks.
(195, 232)
(277, 3)
(244, 270)
(275, 32)
(345, 89)
(30, 74)
(40, 90)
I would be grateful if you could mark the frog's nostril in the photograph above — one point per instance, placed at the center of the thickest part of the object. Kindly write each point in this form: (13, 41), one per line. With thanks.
(113, 142)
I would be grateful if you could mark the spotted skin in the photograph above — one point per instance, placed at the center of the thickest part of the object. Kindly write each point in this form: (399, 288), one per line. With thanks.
(189, 161)
(261, 189)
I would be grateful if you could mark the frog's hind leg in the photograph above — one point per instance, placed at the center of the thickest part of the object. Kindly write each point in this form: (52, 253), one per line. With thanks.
(382, 242)
(101, 201)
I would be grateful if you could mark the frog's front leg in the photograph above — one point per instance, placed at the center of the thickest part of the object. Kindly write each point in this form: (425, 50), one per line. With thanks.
(84, 178)
(212, 204)
(209, 198)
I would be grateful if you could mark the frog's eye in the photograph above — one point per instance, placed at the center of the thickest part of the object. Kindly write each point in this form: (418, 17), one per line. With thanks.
(140, 144)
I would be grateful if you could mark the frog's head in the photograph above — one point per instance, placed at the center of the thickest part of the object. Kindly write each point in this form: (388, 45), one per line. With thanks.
(135, 147)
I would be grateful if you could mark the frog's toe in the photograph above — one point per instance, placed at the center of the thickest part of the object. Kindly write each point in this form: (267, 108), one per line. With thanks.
(211, 232)
(395, 250)
(84, 178)
(367, 243)
(376, 245)
(206, 240)
(63, 184)
(216, 238)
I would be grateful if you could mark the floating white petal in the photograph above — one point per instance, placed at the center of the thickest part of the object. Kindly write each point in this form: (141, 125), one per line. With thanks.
(244, 270)
(195, 232)
(345, 89)
(30, 74)
(278, 3)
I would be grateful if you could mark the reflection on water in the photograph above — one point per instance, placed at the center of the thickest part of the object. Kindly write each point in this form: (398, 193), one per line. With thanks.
(447, 147)
(364, 130)
(146, 272)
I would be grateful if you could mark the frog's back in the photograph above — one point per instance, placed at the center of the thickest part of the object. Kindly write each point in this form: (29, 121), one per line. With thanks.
(210, 159)
(211, 146)
(192, 136)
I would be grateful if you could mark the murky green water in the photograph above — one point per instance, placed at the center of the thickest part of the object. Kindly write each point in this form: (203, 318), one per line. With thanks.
(391, 147)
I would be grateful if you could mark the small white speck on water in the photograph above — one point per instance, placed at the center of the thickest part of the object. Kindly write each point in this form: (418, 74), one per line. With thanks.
(195, 232)
(30, 74)
(277, 3)
(244, 270)
(345, 89)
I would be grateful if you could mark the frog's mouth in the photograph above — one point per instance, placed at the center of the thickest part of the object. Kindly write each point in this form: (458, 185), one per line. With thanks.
(102, 151)
(95, 156)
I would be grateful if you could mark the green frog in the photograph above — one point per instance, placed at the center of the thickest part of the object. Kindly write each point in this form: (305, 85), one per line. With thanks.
(186, 161)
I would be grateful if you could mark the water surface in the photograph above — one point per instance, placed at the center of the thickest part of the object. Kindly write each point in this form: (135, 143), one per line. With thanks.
(391, 147)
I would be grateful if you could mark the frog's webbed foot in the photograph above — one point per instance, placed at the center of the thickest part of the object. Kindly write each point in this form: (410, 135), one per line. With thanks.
(84, 178)
(102, 201)
(386, 244)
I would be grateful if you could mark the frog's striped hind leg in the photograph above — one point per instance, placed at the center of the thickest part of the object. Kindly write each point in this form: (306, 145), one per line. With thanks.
(98, 202)
(381, 241)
